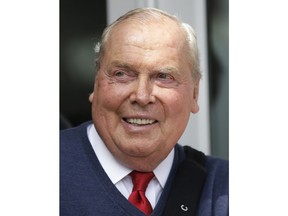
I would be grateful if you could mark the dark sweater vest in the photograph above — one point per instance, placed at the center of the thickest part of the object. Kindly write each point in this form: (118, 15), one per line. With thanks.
(85, 188)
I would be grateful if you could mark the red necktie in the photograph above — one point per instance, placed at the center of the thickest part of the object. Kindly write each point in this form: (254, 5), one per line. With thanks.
(137, 197)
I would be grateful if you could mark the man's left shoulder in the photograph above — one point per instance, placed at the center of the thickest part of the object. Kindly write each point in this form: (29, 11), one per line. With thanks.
(217, 166)
(216, 190)
(217, 171)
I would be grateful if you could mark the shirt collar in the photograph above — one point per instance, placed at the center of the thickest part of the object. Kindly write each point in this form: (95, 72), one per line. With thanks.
(117, 171)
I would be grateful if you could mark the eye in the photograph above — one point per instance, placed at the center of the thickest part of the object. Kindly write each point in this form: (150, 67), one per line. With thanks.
(119, 73)
(165, 80)
(165, 76)
(123, 76)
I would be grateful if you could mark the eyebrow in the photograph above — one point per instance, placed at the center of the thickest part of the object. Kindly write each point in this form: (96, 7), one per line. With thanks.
(166, 69)
(121, 64)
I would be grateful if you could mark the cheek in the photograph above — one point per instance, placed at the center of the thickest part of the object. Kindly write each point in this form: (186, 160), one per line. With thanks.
(109, 95)
(178, 104)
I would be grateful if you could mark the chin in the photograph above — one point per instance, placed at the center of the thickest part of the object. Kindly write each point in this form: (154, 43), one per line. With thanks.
(139, 151)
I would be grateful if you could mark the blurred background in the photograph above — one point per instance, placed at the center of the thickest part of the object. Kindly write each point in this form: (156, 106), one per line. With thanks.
(81, 25)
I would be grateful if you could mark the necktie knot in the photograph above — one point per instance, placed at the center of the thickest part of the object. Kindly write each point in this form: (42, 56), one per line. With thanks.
(137, 197)
(141, 180)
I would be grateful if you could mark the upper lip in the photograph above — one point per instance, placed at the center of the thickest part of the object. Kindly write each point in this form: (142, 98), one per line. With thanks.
(140, 117)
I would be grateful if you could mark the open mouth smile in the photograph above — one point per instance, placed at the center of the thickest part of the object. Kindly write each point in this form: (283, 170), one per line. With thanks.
(140, 121)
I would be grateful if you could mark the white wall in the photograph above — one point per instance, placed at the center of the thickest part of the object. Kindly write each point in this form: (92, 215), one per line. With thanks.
(193, 12)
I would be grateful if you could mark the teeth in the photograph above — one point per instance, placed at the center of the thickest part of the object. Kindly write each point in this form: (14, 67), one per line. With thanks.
(140, 121)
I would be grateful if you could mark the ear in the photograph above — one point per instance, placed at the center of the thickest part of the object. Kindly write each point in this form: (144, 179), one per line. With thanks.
(195, 106)
(91, 97)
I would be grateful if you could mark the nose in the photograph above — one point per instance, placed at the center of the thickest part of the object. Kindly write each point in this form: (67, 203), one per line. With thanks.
(142, 93)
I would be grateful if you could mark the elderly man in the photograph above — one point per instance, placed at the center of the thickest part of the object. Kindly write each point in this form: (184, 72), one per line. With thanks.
(127, 160)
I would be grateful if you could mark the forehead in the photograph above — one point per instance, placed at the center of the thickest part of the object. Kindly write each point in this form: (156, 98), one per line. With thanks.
(149, 34)
(151, 44)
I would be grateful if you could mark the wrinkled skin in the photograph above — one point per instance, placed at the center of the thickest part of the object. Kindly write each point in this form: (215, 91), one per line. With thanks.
(144, 92)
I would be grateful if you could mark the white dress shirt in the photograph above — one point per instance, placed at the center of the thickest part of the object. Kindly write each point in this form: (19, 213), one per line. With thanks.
(119, 174)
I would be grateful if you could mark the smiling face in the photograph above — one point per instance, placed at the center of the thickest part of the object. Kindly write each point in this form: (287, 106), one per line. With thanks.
(144, 92)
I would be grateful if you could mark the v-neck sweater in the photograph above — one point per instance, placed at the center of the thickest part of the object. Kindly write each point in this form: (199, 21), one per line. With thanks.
(85, 188)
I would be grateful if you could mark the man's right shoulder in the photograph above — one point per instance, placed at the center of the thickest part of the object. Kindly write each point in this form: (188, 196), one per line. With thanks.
(74, 131)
